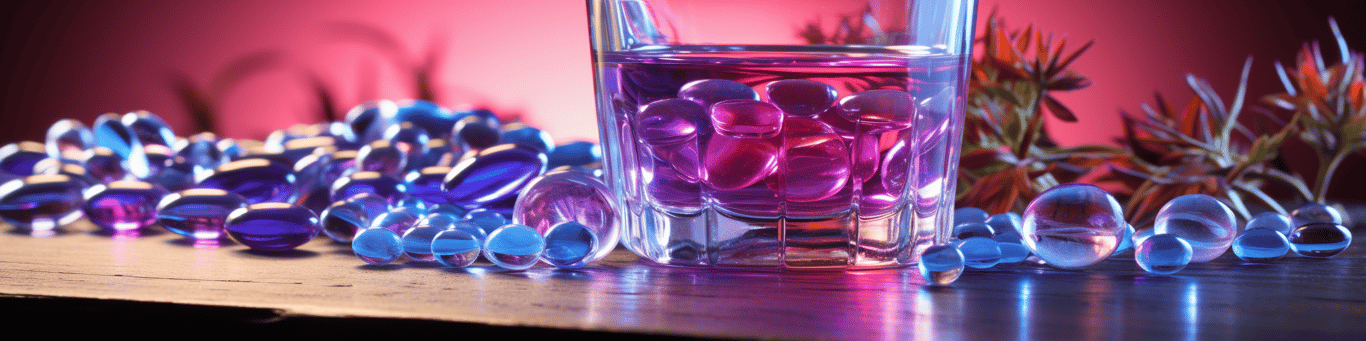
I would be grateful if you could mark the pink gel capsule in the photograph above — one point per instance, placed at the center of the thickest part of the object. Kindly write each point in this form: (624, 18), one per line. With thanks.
(734, 163)
(800, 97)
(816, 160)
(879, 110)
(746, 118)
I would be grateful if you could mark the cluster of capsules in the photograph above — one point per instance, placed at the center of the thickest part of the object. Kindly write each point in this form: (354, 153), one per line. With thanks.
(1074, 226)
(412, 168)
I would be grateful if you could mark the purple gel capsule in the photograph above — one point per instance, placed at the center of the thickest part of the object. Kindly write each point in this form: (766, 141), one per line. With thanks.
(710, 91)
(123, 205)
(199, 213)
(800, 97)
(272, 226)
(744, 118)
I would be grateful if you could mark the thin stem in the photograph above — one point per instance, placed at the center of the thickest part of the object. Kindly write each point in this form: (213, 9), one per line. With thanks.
(1326, 171)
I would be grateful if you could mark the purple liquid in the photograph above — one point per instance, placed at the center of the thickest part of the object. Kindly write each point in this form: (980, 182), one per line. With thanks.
(860, 184)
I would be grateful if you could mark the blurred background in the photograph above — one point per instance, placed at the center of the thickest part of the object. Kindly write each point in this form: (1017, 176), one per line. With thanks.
(265, 65)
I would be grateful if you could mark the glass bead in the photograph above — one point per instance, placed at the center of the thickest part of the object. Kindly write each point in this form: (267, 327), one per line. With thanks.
(493, 175)
(569, 245)
(711, 91)
(368, 120)
(1260, 245)
(800, 97)
(398, 219)
(378, 246)
(67, 140)
(744, 118)
(1163, 254)
(18, 158)
(816, 160)
(1200, 220)
(1320, 240)
(383, 157)
(671, 121)
(734, 163)
(41, 202)
(487, 220)
(343, 219)
(272, 226)
(457, 247)
(426, 184)
(390, 188)
(1073, 226)
(436, 119)
(969, 230)
(149, 129)
(1126, 242)
(417, 242)
(476, 132)
(879, 110)
(965, 215)
(123, 205)
(1315, 213)
(941, 264)
(1270, 220)
(514, 247)
(257, 180)
(528, 136)
(980, 252)
(1012, 248)
(566, 196)
(199, 213)
(575, 153)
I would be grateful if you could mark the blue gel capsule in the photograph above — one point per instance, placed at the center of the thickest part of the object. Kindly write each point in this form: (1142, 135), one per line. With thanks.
(493, 175)
(1012, 250)
(41, 202)
(198, 213)
(437, 120)
(368, 120)
(390, 188)
(382, 156)
(1260, 245)
(201, 152)
(149, 129)
(1320, 240)
(398, 219)
(528, 136)
(1005, 223)
(257, 180)
(272, 226)
(342, 220)
(123, 205)
(1270, 220)
(488, 220)
(476, 132)
(104, 165)
(417, 242)
(377, 246)
(969, 230)
(577, 153)
(439, 154)
(110, 132)
(457, 247)
(426, 183)
(569, 245)
(1315, 213)
(409, 139)
(514, 247)
(941, 264)
(1201, 220)
(980, 252)
(966, 215)
(1163, 254)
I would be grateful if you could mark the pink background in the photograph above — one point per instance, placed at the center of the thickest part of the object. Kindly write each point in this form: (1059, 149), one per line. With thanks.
(531, 59)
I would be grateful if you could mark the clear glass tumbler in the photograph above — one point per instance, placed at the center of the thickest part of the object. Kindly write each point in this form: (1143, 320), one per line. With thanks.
(782, 134)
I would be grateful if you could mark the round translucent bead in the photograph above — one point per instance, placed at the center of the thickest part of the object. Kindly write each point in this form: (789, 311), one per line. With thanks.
(1163, 254)
(67, 140)
(123, 205)
(199, 213)
(980, 252)
(528, 136)
(257, 180)
(1270, 220)
(1320, 240)
(417, 242)
(514, 246)
(969, 230)
(343, 219)
(457, 247)
(941, 264)
(1315, 213)
(816, 160)
(734, 163)
(476, 131)
(800, 97)
(710, 91)
(493, 175)
(567, 196)
(1200, 220)
(388, 187)
(1260, 245)
(18, 158)
(570, 245)
(486, 219)
(272, 226)
(383, 157)
(378, 246)
(398, 219)
(575, 153)
(41, 202)
(964, 215)
(879, 110)
(1073, 226)
(744, 118)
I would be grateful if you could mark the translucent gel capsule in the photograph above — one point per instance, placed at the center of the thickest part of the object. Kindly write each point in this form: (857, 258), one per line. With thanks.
(409, 139)
(569, 245)
(879, 110)
(399, 220)
(941, 264)
(1073, 226)
(528, 136)
(743, 118)
(426, 183)
(734, 163)
(514, 247)
(457, 247)
(448, 209)
(1200, 220)
(343, 219)
(566, 196)
(487, 220)
(111, 133)
(1260, 245)
(980, 252)
(1315, 213)
(671, 121)
(201, 152)
(1126, 242)
(816, 160)
(964, 215)
(149, 129)
(1006, 224)
(57, 167)
(383, 157)
(969, 230)
(123, 205)
(417, 242)
(257, 180)
(1320, 240)
(800, 97)
(1163, 254)
(67, 139)
(378, 246)
(493, 175)
(368, 120)
(439, 153)
(18, 158)
(1141, 235)
(198, 213)
(437, 120)
(41, 202)
(575, 153)
(1270, 220)
(1012, 248)
(476, 132)
(710, 91)
(388, 187)
(272, 226)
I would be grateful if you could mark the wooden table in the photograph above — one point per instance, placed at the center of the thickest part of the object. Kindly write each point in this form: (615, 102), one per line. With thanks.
(79, 271)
